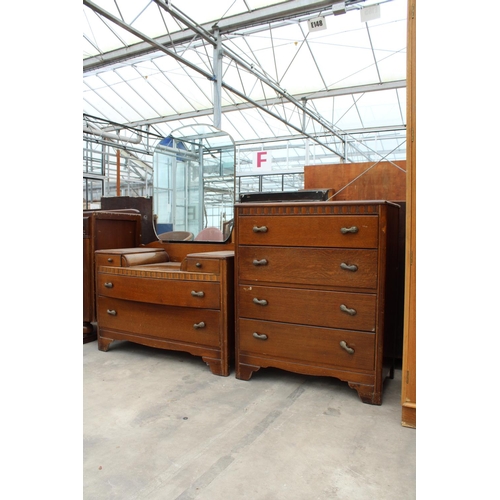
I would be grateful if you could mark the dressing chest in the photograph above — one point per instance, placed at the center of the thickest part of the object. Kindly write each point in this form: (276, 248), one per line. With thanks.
(145, 298)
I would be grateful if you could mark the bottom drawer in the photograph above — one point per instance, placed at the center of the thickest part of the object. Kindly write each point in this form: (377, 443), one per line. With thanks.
(319, 346)
(184, 324)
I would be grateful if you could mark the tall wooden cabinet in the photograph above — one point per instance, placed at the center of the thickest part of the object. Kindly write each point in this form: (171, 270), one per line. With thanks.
(103, 229)
(315, 289)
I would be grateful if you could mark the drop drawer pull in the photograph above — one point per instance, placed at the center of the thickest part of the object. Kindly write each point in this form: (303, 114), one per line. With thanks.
(344, 346)
(260, 336)
(353, 268)
(261, 229)
(261, 262)
(197, 294)
(201, 324)
(108, 285)
(259, 302)
(111, 312)
(353, 229)
(351, 312)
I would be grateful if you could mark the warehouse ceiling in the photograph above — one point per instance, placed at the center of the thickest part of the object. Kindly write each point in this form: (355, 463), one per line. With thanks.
(318, 82)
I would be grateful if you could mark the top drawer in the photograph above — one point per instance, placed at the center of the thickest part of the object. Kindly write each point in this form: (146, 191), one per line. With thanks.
(173, 292)
(208, 262)
(345, 231)
(201, 265)
(107, 259)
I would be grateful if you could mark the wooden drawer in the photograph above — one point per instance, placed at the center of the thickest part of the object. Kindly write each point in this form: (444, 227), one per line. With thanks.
(201, 265)
(345, 231)
(309, 266)
(107, 259)
(352, 311)
(200, 326)
(318, 346)
(175, 292)
(146, 258)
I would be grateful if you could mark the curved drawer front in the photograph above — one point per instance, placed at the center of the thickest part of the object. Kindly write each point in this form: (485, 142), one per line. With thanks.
(200, 294)
(320, 346)
(200, 326)
(141, 259)
(309, 266)
(344, 231)
(352, 311)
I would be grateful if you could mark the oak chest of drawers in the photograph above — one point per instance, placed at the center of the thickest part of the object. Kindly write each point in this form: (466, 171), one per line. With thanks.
(314, 285)
(186, 306)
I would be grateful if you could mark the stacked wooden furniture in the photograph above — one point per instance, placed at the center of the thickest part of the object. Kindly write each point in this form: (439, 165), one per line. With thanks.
(185, 305)
(143, 205)
(313, 288)
(103, 229)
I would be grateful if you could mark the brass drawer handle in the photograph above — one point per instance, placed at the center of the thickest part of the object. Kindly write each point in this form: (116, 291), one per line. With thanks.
(344, 346)
(353, 268)
(260, 336)
(197, 294)
(261, 262)
(201, 324)
(346, 230)
(108, 284)
(110, 259)
(261, 229)
(259, 302)
(351, 312)
(111, 312)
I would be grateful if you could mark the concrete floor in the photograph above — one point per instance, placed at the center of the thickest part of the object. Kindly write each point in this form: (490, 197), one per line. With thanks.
(158, 425)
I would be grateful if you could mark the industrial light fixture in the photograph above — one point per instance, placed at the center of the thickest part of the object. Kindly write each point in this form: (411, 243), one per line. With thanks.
(339, 8)
(368, 12)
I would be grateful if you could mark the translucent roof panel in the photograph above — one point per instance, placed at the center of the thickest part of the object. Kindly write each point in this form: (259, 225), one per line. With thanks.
(101, 35)
(152, 64)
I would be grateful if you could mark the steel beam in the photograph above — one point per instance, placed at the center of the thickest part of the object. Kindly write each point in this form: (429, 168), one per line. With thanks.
(231, 24)
(310, 96)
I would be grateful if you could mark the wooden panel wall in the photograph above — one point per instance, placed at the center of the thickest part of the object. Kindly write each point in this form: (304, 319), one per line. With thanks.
(359, 181)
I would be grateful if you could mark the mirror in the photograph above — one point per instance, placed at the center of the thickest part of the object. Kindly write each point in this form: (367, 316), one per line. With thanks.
(194, 185)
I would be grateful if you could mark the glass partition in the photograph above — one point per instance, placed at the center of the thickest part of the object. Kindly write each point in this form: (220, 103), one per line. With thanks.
(194, 184)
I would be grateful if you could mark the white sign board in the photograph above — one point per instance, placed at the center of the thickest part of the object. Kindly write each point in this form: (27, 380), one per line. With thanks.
(262, 161)
(370, 13)
(317, 24)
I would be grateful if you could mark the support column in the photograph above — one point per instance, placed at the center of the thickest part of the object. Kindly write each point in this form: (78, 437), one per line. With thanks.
(118, 173)
(217, 65)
